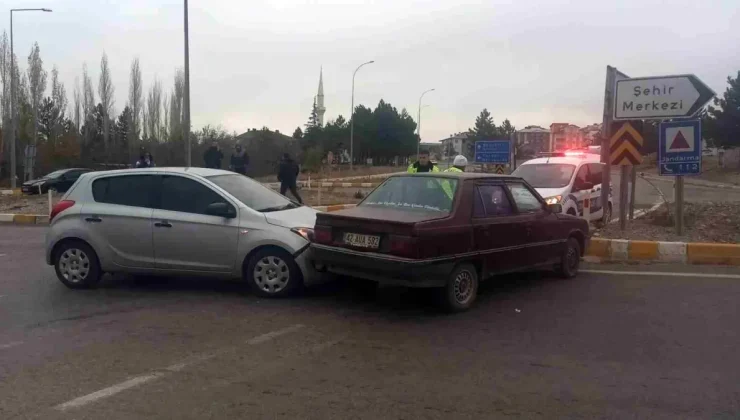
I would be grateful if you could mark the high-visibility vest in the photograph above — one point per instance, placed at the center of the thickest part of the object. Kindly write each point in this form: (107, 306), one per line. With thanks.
(446, 184)
(414, 168)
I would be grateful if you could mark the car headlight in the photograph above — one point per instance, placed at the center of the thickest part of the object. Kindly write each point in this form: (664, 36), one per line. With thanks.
(304, 232)
(554, 199)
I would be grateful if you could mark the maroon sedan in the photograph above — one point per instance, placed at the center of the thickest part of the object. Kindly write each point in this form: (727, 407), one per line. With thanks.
(448, 230)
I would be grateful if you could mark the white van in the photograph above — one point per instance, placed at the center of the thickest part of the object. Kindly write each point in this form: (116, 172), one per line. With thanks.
(569, 179)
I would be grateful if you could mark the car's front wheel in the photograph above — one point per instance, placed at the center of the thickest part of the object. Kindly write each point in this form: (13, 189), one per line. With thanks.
(272, 272)
(77, 266)
(461, 290)
(570, 260)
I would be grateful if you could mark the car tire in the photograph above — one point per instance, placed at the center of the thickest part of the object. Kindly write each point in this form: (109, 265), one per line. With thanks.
(461, 290)
(570, 260)
(77, 265)
(272, 272)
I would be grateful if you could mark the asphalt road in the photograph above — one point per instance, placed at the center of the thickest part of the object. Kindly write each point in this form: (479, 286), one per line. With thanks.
(604, 345)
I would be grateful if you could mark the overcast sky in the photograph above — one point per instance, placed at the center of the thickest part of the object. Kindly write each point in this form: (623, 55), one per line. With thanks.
(255, 63)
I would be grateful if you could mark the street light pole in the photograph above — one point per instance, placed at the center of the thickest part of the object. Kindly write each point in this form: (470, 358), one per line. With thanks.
(352, 120)
(186, 94)
(13, 164)
(418, 120)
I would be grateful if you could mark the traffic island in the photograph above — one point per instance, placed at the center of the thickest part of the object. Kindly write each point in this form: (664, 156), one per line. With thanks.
(712, 234)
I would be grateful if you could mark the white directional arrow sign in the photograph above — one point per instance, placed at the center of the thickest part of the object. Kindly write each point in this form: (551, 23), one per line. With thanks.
(660, 97)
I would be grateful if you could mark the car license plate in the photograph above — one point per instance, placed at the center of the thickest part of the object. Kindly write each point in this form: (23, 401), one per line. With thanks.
(362, 241)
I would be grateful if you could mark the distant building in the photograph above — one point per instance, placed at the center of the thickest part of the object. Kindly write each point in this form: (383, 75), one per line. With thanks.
(533, 139)
(564, 136)
(591, 133)
(457, 144)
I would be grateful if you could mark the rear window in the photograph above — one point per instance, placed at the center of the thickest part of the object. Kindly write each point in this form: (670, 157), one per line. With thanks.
(546, 175)
(414, 193)
(126, 190)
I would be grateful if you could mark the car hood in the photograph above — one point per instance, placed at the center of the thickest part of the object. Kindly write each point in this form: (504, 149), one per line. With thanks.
(298, 217)
(549, 192)
(36, 181)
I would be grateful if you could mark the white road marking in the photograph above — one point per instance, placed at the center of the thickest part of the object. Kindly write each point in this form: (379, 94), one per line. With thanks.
(107, 392)
(140, 380)
(271, 335)
(662, 274)
(9, 345)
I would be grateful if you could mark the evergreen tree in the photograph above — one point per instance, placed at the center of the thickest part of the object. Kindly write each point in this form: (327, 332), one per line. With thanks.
(298, 133)
(484, 128)
(722, 121)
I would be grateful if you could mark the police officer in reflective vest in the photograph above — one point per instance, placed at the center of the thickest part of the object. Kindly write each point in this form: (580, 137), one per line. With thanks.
(459, 164)
(423, 164)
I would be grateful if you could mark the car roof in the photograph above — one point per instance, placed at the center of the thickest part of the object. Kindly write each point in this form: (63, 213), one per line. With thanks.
(457, 175)
(204, 172)
(561, 159)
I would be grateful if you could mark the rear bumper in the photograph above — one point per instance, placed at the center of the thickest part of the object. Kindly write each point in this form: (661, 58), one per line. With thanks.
(382, 268)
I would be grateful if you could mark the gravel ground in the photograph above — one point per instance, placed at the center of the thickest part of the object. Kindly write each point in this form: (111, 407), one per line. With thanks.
(705, 222)
(26, 204)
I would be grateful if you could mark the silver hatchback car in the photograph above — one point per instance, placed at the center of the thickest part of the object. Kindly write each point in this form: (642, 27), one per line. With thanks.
(180, 221)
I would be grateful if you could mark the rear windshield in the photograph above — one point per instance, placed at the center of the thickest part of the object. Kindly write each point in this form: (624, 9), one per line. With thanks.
(546, 175)
(414, 193)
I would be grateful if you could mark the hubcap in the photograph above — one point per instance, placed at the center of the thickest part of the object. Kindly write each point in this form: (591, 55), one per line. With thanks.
(463, 286)
(271, 274)
(74, 265)
(571, 259)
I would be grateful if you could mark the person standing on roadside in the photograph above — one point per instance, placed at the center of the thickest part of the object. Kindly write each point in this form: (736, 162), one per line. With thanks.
(423, 164)
(288, 177)
(239, 160)
(459, 164)
(145, 160)
(213, 156)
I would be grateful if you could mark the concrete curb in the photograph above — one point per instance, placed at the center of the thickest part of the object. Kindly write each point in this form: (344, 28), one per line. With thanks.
(16, 191)
(24, 219)
(611, 250)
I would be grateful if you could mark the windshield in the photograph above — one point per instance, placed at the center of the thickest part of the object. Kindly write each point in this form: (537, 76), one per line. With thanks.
(414, 193)
(55, 174)
(253, 194)
(546, 175)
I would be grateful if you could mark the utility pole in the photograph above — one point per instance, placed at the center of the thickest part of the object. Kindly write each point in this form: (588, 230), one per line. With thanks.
(13, 124)
(186, 94)
(418, 119)
(352, 119)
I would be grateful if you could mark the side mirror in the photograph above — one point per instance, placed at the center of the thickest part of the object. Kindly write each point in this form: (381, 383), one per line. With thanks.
(555, 208)
(221, 210)
(582, 186)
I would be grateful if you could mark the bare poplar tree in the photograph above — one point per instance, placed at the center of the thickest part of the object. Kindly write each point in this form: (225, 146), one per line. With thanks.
(77, 104)
(144, 122)
(106, 90)
(58, 93)
(37, 88)
(135, 92)
(154, 109)
(178, 93)
(88, 103)
(163, 129)
(5, 72)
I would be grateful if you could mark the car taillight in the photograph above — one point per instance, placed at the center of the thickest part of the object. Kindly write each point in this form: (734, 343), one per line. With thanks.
(60, 207)
(322, 235)
(403, 246)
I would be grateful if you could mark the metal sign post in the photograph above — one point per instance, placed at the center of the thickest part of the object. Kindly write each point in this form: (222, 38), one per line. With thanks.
(612, 76)
(679, 154)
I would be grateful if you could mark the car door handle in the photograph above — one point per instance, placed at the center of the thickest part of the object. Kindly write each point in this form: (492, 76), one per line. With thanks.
(163, 223)
(93, 219)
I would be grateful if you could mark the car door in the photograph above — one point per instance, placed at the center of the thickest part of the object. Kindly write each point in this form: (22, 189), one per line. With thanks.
(498, 232)
(67, 180)
(542, 244)
(119, 219)
(185, 237)
(579, 192)
(595, 177)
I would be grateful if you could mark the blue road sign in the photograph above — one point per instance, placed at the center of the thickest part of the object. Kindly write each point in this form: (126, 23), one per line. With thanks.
(679, 148)
(493, 151)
